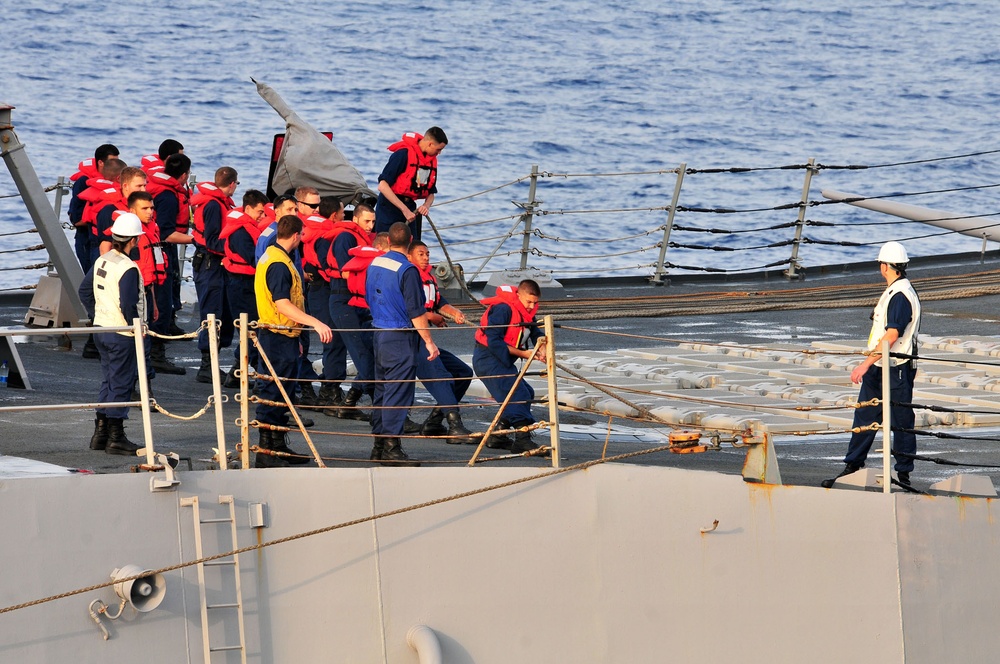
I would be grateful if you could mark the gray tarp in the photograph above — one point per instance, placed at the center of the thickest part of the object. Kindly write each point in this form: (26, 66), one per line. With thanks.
(308, 158)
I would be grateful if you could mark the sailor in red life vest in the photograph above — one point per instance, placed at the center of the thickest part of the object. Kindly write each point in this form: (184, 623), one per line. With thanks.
(348, 319)
(211, 204)
(171, 200)
(240, 230)
(88, 168)
(154, 163)
(446, 377)
(355, 271)
(409, 175)
(307, 205)
(506, 334)
(318, 233)
(104, 197)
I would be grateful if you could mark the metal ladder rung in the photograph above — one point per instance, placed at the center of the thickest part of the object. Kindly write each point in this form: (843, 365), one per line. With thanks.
(232, 605)
(216, 521)
(216, 563)
(221, 648)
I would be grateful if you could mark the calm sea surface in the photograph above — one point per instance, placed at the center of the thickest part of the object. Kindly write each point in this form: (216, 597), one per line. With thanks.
(574, 87)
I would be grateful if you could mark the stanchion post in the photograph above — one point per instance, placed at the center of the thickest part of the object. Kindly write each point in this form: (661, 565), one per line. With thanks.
(140, 353)
(529, 214)
(886, 420)
(550, 364)
(244, 391)
(60, 192)
(660, 270)
(794, 261)
(213, 351)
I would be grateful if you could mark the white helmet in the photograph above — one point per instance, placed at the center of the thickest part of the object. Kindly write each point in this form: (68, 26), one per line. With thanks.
(893, 253)
(127, 225)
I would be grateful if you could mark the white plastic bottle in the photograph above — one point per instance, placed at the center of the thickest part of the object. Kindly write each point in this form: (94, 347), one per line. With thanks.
(3, 374)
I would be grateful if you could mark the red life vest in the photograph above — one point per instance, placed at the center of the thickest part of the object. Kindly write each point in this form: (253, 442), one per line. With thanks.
(357, 272)
(234, 221)
(151, 163)
(514, 335)
(431, 293)
(152, 261)
(364, 239)
(417, 180)
(314, 227)
(159, 182)
(99, 194)
(85, 169)
(207, 192)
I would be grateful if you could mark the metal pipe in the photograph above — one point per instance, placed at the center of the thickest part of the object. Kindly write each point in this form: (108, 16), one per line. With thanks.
(550, 363)
(72, 406)
(53, 331)
(60, 186)
(800, 222)
(213, 351)
(147, 425)
(425, 642)
(658, 277)
(886, 420)
(244, 391)
(529, 213)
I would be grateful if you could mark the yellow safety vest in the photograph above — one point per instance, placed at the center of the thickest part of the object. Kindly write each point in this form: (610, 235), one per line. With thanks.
(265, 301)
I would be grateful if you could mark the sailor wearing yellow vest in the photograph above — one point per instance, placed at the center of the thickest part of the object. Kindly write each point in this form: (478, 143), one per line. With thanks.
(896, 319)
(280, 301)
(118, 300)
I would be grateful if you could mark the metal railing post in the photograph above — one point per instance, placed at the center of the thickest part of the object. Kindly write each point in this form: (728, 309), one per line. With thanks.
(793, 263)
(529, 213)
(550, 363)
(140, 352)
(60, 186)
(658, 277)
(886, 420)
(213, 351)
(244, 391)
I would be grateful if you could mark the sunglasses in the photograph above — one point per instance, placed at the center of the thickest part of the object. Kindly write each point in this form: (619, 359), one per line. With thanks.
(314, 206)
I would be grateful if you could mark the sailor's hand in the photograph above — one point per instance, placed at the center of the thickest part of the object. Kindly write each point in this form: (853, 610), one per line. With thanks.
(459, 317)
(324, 332)
(409, 214)
(423, 209)
(432, 351)
(858, 373)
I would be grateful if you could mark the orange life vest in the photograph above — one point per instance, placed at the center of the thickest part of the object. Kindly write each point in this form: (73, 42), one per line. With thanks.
(207, 192)
(515, 334)
(357, 272)
(158, 182)
(364, 240)
(99, 194)
(85, 169)
(152, 261)
(418, 178)
(431, 293)
(234, 221)
(151, 163)
(314, 227)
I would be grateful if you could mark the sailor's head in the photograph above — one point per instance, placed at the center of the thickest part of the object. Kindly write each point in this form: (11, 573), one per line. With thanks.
(893, 255)
(433, 142)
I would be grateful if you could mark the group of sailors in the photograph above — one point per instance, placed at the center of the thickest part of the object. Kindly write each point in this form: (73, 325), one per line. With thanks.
(299, 259)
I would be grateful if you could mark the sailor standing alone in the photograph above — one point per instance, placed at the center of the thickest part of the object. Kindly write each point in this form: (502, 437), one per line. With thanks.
(896, 319)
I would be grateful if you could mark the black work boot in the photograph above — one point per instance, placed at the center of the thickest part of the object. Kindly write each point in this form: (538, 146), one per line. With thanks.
(457, 428)
(330, 396)
(117, 442)
(307, 395)
(523, 442)
(903, 477)
(99, 440)
(848, 469)
(393, 454)
(268, 460)
(409, 426)
(500, 441)
(232, 381)
(433, 424)
(377, 449)
(279, 443)
(158, 359)
(204, 374)
(90, 351)
(350, 411)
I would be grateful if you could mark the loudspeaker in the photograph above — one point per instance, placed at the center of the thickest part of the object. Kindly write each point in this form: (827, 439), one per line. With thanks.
(144, 593)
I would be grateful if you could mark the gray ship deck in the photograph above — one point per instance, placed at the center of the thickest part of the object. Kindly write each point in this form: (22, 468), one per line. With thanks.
(59, 375)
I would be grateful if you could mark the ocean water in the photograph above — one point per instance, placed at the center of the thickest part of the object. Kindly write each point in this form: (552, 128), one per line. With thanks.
(577, 88)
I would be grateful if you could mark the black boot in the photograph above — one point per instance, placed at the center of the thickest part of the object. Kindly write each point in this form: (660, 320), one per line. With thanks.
(393, 454)
(409, 426)
(117, 442)
(279, 443)
(204, 374)
(90, 351)
(848, 469)
(523, 442)
(268, 460)
(331, 397)
(158, 359)
(500, 441)
(307, 396)
(377, 449)
(350, 411)
(432, 425)
(457, 428)
(232, 381)
(100, 438)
